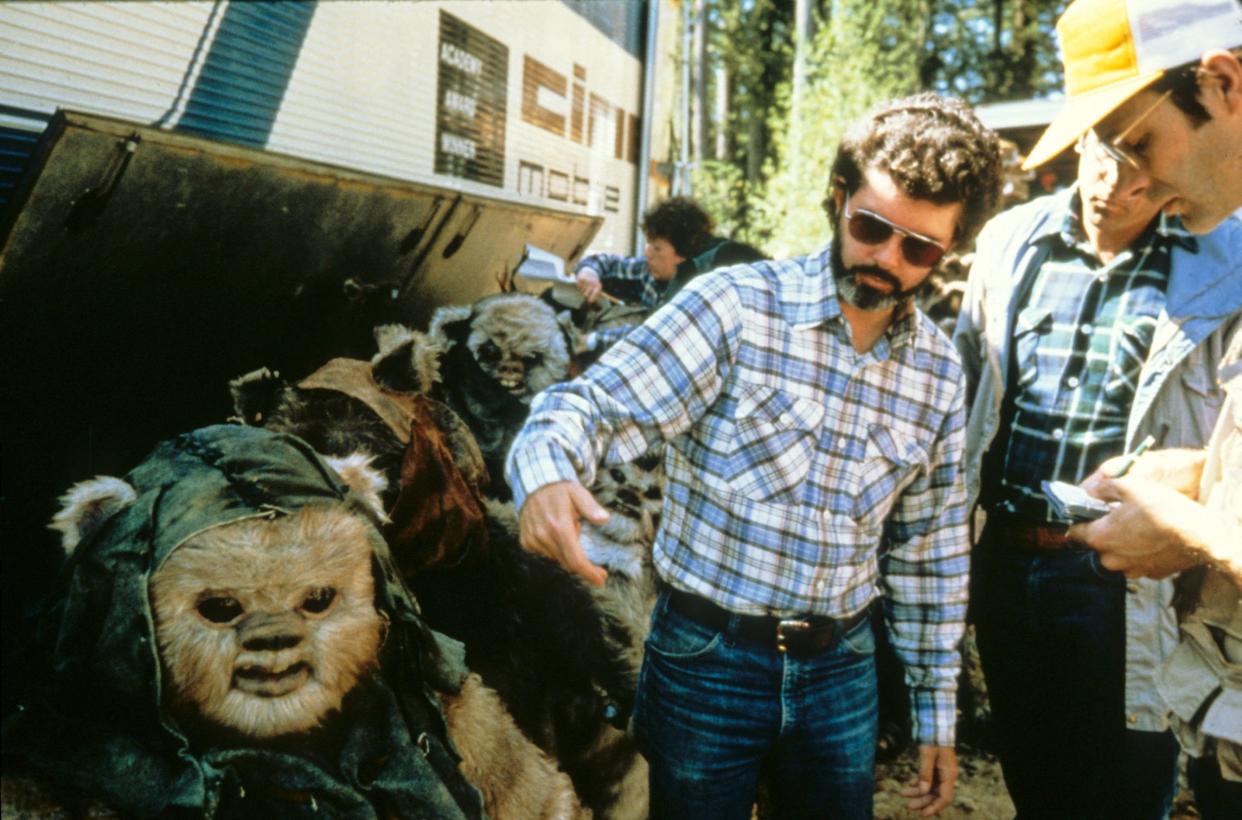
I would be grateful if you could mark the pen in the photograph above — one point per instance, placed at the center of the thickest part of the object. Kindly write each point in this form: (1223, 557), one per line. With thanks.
(1133, 456)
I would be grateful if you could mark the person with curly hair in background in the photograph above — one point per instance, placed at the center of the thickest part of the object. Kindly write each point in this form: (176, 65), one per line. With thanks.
(680, 246)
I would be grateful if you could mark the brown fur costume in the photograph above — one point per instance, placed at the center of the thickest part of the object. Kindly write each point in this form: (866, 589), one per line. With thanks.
(491, 357)
(270, 597)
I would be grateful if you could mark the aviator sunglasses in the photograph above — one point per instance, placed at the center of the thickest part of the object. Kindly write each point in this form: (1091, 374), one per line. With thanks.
(872, 229)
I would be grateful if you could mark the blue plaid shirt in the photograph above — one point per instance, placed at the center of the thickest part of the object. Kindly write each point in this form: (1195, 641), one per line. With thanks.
(1080, 341)
(625, 277)
(802, 476)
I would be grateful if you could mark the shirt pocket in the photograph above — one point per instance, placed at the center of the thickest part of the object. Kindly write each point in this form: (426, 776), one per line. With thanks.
(1032, 324)
(775, 435)
(892, 460)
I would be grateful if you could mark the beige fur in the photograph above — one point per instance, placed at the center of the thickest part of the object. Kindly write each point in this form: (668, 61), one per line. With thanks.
(87, 505)
(279, 666)
(425, 351)
(367, 483)
(518, 780)
(389, 337)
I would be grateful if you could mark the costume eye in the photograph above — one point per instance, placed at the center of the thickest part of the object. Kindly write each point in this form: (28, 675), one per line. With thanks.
(319, 599)
(220, 609)
(533, 359)
(489, 351)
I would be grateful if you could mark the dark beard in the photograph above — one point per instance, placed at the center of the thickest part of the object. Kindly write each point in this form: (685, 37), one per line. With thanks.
(861, 295)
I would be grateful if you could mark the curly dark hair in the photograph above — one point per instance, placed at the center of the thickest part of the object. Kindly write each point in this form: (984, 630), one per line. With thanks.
(681, 222)
(934, 148)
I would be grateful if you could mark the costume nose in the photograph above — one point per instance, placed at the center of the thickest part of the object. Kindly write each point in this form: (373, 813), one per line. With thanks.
(510, 369)
(270, 632)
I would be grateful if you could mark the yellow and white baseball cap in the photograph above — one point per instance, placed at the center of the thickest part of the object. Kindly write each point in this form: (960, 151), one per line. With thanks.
(1113, 49)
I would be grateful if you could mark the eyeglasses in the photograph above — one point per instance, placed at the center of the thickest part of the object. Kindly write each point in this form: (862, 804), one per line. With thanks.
(872, 229)
(1113, 147)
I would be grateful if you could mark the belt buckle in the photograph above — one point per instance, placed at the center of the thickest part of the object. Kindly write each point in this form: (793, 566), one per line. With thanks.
(787, 628)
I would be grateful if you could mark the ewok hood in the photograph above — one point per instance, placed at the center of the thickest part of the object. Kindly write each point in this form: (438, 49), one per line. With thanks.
(99, 724)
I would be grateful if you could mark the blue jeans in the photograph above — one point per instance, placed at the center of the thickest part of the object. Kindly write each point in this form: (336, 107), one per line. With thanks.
(713, 709)
(1051, 633)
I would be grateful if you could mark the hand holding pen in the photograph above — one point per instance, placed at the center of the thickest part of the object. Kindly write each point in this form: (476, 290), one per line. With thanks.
(1177, 468)
(1132, 456)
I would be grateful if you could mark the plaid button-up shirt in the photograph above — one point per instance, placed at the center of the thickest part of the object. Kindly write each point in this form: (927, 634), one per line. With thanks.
(802, 477)
(626, 277)
(1079, 344)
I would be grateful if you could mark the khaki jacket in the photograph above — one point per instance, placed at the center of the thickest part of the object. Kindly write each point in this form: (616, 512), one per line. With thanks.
(1202, 681)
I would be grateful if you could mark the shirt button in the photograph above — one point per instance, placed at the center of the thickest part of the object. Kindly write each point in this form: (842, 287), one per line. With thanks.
(786, 419)
(1102, 278)
(1086, 329)
(1071, 382)
(1133, 718)
(1131, 588)
(1058, 434)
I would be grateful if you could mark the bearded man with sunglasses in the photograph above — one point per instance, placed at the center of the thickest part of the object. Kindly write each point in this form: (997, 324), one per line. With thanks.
(813, 419)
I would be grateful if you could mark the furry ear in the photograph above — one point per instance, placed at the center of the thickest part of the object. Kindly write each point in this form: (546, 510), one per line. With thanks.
(446, 316)
(410, 363)
(255, 396)
(365, 481)
(87, 506)
(389, 337)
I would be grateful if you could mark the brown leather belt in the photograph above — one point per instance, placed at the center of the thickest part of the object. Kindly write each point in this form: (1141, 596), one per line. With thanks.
(1017, 533)
(803, 636)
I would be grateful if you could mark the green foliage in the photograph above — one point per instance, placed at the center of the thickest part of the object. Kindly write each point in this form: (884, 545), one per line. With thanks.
(768, 187)
(722, 189)
(992, 51)
(865, 53)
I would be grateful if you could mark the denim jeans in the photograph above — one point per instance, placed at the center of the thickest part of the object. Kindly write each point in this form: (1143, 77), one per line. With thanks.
(713, 709)
(1051, 633)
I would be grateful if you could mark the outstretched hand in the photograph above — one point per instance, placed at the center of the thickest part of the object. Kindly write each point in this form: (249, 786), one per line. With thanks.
(550, 524)
(933, 790)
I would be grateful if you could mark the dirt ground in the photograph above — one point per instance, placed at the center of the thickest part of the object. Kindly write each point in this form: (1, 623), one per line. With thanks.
(980, 792)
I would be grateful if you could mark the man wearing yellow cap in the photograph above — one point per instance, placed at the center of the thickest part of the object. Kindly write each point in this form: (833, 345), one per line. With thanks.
(1159, 82)
(1084, 328)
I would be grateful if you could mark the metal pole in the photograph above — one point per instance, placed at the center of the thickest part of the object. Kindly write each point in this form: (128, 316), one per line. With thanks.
(681, 174)
(644, 142)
